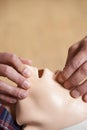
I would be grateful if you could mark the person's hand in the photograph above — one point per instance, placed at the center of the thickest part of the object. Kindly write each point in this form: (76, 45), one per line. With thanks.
(13, 68)
(74, 74)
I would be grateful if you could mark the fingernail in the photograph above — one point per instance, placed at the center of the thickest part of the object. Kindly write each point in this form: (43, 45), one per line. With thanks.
(26, 72)
(85, 98)
(26, 84)
(61, 78)
(23, 95)
(13, 101)
(67, 85)
(75, 94)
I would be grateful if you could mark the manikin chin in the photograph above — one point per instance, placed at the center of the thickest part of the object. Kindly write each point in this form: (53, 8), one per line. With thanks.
(49, 106)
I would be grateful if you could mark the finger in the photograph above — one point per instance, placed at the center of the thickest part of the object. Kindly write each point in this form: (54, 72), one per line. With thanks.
(72, 52)
(84, 97)
(7, 99)
(77, 78)
(13, 60)
(76, 60)
(12, 91)
(75, 63)
(14, 76)
(75, 48)
(25, 61)
(79, 90)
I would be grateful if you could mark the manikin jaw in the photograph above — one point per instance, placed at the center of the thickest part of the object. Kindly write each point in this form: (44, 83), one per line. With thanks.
(48, 106)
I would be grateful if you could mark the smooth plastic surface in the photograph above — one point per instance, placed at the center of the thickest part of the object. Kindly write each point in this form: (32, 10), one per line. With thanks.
(49, 106)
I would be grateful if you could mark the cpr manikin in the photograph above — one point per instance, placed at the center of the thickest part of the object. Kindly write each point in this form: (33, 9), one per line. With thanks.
(49, 106)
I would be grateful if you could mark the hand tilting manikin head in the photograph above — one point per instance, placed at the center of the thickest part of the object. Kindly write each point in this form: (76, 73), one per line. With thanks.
(48, 106)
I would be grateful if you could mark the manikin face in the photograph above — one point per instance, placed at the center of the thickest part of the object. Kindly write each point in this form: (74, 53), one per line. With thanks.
(48, 106)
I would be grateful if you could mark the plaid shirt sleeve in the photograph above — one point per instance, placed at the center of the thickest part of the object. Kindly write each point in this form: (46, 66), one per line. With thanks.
(6, 120)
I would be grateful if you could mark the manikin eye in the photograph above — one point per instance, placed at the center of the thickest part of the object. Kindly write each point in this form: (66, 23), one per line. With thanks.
(40, 73)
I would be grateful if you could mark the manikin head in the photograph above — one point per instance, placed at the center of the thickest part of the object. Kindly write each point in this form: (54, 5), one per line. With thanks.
(49, 106)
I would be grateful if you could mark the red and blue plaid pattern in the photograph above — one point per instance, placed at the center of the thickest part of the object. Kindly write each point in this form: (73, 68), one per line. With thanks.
(6, 120)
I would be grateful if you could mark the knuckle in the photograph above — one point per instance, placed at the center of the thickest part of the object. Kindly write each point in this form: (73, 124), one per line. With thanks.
(20, 93)
(17, 92)
(21, 80)
(74, 64)
(13, 57)
(83, 69)
(6, 69)
(71, 48)
(82, 88)
(5, 53)
(85, 40)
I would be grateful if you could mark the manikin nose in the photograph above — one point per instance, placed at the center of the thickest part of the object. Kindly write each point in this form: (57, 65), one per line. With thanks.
(40, 73)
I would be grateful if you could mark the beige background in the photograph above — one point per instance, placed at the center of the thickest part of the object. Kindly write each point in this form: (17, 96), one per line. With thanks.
(42, 30)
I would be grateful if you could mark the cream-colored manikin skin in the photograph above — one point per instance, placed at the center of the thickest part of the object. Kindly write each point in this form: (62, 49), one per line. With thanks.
(49, 106)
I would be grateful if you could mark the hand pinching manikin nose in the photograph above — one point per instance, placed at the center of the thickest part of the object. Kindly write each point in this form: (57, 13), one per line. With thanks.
(74, 74)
